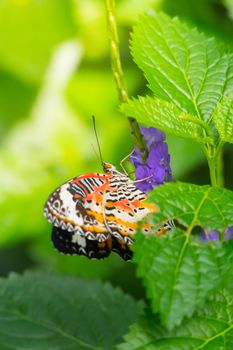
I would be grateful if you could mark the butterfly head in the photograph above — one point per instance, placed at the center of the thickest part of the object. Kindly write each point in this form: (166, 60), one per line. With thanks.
(108, 168)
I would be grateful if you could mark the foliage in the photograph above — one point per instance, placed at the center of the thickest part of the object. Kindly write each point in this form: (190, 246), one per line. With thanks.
(179, 270)
(210, 328)
(48, 311)
(191, 79)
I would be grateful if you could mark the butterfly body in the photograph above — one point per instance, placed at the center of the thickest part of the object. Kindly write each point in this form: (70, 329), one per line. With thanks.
(94, 214)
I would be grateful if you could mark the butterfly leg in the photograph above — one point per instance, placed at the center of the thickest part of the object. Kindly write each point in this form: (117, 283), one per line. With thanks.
(141, 180)
(123, 160)
(104, 213)
(125, 172)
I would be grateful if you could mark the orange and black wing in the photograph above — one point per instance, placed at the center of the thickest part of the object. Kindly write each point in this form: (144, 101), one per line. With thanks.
(125, 206)
(92, 249)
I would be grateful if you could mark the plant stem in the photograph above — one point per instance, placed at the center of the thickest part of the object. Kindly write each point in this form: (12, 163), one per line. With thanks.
(212, 167)
(114, 50)
(220, 166)
(118, 75)
(214, 155)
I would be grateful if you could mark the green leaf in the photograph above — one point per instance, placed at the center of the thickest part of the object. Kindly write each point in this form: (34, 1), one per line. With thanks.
(210, 329)
(44, 311)
(163, 115)
(181, 64)
(179, 270)
(189, 75)
(223, 118)
(192, 205)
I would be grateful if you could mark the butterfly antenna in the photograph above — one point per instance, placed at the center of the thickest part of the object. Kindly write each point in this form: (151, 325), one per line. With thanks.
(97, 140)
(94, 150)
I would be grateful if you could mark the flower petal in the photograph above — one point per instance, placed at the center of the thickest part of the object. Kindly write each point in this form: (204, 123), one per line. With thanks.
(152, 135)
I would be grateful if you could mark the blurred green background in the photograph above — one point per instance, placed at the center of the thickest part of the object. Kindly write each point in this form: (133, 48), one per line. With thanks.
(54, 75)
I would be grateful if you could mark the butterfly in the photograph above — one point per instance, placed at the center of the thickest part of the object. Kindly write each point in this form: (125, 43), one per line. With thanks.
(94, 214)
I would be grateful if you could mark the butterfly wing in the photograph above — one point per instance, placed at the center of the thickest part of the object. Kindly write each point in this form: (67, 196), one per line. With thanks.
(64, 242)
(95, 213)
(76, 211)
(125, 206)
(121, 249)
(93, 249)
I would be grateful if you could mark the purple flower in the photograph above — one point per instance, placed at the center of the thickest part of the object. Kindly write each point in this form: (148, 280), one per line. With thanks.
(213, 235)
(229, 233)
(152, 135)
(157, 167)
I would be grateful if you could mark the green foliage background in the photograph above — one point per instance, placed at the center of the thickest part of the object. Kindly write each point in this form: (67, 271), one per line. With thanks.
(54, 75)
